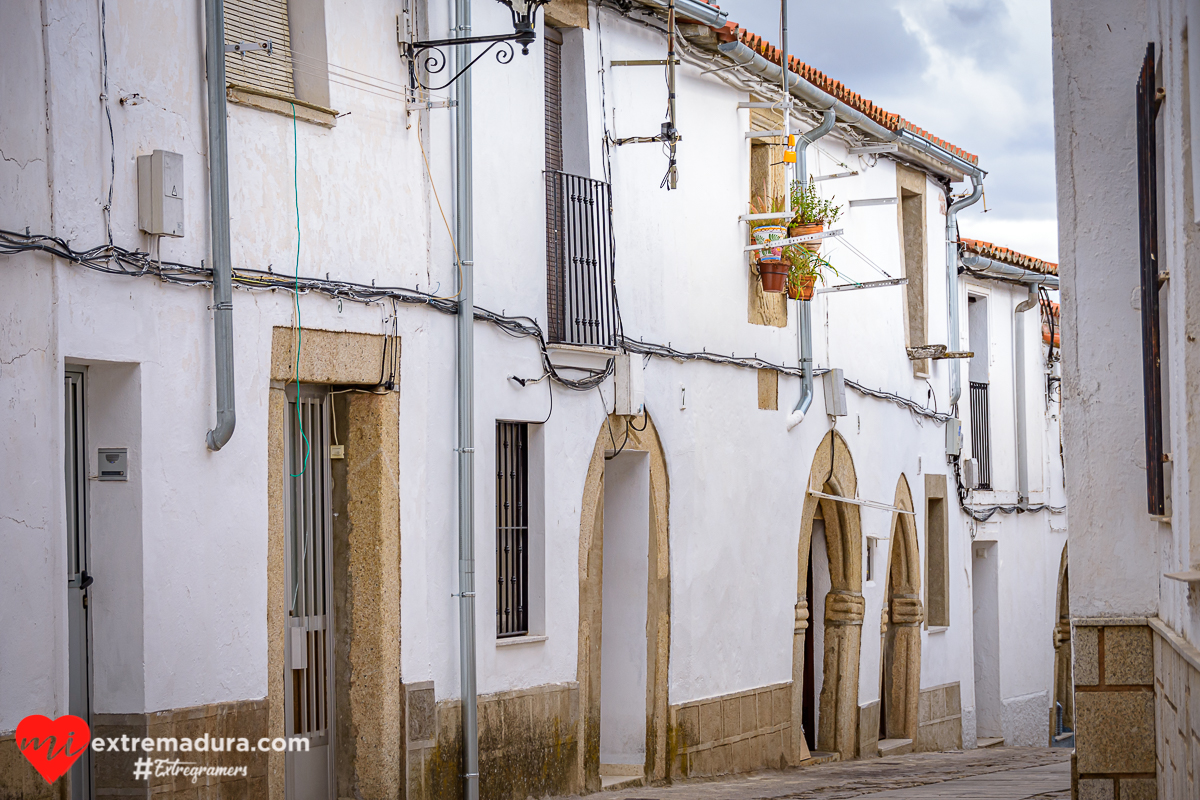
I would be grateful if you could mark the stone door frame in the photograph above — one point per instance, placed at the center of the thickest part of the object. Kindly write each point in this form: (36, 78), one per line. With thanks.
(837, 728)
(658, 617)
(902, 687)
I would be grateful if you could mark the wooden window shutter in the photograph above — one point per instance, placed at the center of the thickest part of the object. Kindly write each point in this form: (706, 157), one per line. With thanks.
(1147, 163)
(259, 21)
(553, 59)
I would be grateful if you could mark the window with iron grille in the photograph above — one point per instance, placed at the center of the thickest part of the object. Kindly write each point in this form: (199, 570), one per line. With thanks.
(512, 529)
(981, 434)
(1148, 103)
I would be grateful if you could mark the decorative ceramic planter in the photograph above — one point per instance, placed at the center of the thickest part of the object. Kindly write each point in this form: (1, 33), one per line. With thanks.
(803, 290)
(769, 233)
(814, 246)
(774, 275)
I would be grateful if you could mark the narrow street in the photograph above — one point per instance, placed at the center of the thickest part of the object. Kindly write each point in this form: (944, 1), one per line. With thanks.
(1009, 773)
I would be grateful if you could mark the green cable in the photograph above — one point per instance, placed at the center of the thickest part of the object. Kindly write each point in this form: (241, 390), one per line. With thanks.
(296, 292)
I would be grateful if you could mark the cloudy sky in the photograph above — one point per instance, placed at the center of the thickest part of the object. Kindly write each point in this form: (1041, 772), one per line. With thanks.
(974, 72)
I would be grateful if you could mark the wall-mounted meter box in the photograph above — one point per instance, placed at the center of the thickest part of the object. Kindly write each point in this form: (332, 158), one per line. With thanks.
(835, 393)
(953, 436)
(113, 463)
(160, 193)
(970, 473)
(630, 385)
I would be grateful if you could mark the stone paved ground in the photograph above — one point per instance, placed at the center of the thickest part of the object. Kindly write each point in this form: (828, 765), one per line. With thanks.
(995, 773)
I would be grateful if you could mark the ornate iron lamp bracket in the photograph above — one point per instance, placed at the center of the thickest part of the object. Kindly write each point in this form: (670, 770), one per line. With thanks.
(434, 58)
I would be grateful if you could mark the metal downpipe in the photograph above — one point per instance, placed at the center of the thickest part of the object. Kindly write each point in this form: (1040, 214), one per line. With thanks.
(465, 338)
(218, 199)
(804, 317)
(952, 279)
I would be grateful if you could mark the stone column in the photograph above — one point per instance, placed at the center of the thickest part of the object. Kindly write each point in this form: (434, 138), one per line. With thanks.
(800, 630)
(904, 683)
(838, 723)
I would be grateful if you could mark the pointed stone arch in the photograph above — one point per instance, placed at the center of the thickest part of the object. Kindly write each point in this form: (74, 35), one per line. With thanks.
(901, 624)
(658, 617)
(1064, 692)
(832, 473)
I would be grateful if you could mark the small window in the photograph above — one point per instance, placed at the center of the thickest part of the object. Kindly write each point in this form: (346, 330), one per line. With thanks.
(911, 191)
(937, 553)
(767, 182)
(872, 544)
(512, 529)
(978, 372)
(297, 66)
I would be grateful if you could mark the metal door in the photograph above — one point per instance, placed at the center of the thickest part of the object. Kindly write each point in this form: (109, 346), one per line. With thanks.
(78, 580)
(308, 646)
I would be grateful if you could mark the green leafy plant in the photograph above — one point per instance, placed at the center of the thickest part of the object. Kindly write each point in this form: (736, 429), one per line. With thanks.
(811, 208)
(806, 263)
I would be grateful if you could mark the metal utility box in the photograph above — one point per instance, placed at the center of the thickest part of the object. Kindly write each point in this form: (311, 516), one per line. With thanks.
(160, 193)
(835, 393)
(630, 385)
(970, 473)
(112, 463)
(953, 436)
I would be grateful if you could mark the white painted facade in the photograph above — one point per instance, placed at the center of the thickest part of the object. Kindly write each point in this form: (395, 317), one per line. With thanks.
(179, 552)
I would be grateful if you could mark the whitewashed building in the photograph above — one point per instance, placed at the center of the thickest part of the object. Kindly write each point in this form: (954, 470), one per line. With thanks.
(681, 566)
(1126, 123)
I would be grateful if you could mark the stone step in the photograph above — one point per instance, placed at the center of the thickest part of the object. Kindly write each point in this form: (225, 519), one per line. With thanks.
(895, 747)
(990, 742)
(817, 757)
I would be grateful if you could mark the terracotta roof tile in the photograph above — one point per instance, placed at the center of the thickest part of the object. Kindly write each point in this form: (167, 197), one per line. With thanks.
(732, 32)
(1010, 257)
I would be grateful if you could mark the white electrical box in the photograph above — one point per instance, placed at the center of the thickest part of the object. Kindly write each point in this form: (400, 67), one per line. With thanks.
(160, 193)
(970, 473)
(953, 436)
(835, 393)
(630, 385)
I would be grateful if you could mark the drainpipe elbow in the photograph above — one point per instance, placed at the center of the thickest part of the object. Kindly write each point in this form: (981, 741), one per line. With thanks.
(219, 436)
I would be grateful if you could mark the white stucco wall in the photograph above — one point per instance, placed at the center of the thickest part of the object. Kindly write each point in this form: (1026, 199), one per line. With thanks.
(367, 212)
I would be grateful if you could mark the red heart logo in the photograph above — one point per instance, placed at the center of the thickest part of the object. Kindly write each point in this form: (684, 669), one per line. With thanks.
(52, 745)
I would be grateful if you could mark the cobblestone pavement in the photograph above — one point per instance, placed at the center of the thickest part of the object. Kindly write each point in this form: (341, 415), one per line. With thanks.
(996, 773)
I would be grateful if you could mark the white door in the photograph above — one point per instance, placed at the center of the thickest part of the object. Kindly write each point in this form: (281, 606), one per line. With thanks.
(78, 580)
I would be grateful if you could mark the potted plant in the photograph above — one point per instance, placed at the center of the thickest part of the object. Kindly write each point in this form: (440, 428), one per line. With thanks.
(804, 272)
(813, 213)
(772, 266)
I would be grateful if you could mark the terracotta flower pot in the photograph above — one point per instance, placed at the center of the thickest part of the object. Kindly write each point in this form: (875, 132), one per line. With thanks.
(774, 275)
(769, 233)
(803, 290)
(814, 246)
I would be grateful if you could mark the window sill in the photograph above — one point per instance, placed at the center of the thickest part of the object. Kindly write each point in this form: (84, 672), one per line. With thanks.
(279, 103)
(937, 629)
(516, 640)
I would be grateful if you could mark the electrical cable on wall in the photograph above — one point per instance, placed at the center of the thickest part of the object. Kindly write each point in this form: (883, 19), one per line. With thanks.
(114, 260)
(296, 294)
(112, 142)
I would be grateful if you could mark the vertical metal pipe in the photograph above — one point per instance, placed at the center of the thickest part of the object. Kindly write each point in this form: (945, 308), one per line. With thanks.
(464, 208)
(218, 198)
(952, 280)
(804, 319)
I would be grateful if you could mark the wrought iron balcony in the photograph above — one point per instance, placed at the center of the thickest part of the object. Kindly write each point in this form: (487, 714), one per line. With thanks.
(981, 434)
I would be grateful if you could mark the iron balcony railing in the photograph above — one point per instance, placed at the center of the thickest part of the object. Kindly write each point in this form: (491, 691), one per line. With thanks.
(580, 297)
(981, 434)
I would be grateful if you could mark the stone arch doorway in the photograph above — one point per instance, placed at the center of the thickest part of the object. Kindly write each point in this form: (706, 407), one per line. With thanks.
(642, 451)
(837, 727)
(1064, 693)
(900, 629)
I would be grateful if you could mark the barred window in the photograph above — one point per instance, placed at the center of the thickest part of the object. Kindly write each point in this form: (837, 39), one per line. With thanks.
(512, 529)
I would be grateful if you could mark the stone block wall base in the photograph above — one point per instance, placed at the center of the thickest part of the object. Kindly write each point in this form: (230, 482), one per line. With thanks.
(114, 771)
(939, 718)
(737, 732)
(528, 744)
